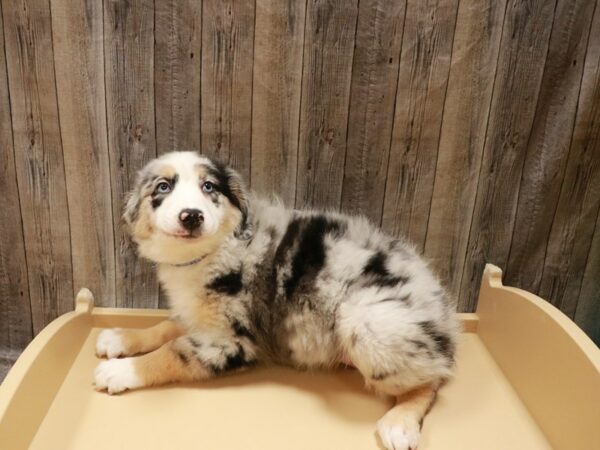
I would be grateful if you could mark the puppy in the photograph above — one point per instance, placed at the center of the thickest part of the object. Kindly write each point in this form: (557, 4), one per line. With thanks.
(251, 282)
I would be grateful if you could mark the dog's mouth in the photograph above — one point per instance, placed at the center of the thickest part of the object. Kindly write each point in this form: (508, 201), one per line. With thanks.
(184, 234)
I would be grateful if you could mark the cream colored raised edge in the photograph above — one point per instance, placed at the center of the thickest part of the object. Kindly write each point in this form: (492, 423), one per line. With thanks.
(552, 365)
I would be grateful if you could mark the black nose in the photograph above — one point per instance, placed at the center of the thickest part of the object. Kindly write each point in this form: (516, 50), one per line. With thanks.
(191, 218)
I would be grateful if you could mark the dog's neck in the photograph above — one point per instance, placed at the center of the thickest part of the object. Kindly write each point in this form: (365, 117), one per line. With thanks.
(188, 263)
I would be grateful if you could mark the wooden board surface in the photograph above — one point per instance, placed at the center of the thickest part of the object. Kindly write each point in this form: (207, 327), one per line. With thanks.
(177, 56)
(549, 142)
(15, 309)
(227, 58)
(466, 112)
(39, 158)
(424, 66)
(129, 74)
(520, 69)
(470, 128)
(326, 75)
(80, 89)
(371, 113)
(277, 84)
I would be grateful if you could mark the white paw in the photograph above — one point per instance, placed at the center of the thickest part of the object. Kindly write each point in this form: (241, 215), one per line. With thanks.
(116, 375)
(110, 344)
(399, 433)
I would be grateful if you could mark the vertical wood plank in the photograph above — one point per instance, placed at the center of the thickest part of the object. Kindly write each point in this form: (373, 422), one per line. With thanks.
(424, 66)
(129, 74)
(466, 110)
(276, 96)
(177, 56)
(79, 56)
(326, 77)
(549, 141)
(519, 73)
(573, 226)
(39, 159)
(372, 98)
(15, 309)
(227, 55)
(587, 315)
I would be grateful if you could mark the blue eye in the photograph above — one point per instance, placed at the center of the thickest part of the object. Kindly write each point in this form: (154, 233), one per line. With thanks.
(163, 188)
(208, 187)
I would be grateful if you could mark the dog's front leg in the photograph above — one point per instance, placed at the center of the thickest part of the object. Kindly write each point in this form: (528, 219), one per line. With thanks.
(115, 342)
(193, 357)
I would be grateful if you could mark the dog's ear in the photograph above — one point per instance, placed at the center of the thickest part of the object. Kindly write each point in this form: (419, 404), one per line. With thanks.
(232, 186)
(133, 199)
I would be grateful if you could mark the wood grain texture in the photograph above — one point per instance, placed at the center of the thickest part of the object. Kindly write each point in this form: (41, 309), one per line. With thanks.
(227, 58)
(471, 128)
(177, 57)
(549, 141)
(79, 57)
(587, 315)
(326, 77)
(276, 90)
(466, 111)
(424, 65)
(39, 159)
(573, 225)
(129, 74)
(372, 98)
(523, 50)
(15, 309)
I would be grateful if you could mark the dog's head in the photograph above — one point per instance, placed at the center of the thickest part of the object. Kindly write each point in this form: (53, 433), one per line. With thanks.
(183, 206)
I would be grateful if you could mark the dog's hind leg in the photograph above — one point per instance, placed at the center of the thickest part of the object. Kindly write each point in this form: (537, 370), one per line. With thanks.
(400, 427)
(116, 342)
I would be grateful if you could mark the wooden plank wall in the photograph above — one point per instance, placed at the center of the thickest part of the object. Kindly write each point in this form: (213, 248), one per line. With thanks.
(471, 128)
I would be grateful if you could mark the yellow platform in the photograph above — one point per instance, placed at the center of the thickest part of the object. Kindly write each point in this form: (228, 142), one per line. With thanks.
(527, 378)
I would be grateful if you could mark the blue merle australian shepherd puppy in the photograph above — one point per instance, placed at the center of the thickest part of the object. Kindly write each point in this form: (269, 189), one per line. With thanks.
(251, 282)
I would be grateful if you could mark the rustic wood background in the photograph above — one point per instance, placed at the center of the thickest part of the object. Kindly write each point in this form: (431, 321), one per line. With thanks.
(472, 127)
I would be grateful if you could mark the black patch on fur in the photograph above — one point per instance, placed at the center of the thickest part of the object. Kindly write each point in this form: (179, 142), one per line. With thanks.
(230, 283)
(158, 198)
(157, 201)
(378, 274)
(183, 357)
(241, 331)
(193, 342)
(381, 376)
(224, 176)
(234, 361)
(419, 344)
(310, 255)
(404, 299)
(443, 344)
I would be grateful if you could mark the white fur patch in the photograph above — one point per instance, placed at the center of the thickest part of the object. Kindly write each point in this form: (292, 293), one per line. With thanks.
(398, 434)
(116, 375)
(110, 344)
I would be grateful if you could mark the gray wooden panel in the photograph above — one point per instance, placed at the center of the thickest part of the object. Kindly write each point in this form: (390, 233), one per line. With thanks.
(424, 67)
(79, 57)
(227, 57)
(519, 73)
(276, 90)
(466, 111)
(39, 160)
(573, 226)
(587, 315)
(326, 78)
(177, 57)
(15, 309)
(549, 141)
(372, 99)
(129, 75)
